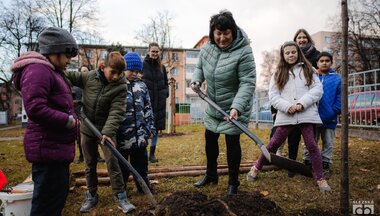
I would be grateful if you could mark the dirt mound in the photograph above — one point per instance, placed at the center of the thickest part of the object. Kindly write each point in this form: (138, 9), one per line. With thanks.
(196, 204)
(316, 212)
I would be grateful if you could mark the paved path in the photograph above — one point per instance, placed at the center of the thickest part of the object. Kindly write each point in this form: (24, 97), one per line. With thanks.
(10, 127)
(11, 138)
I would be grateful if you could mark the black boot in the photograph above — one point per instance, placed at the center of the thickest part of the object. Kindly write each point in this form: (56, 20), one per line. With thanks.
(232, 189)
(152, 158)
(206, 180)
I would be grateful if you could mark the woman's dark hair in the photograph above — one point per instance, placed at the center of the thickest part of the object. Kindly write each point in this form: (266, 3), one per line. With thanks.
(222, 21)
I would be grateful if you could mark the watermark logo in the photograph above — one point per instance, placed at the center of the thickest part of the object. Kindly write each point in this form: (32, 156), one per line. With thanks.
(362, 207)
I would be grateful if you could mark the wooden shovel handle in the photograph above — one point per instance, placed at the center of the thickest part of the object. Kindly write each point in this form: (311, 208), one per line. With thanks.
(14, 191)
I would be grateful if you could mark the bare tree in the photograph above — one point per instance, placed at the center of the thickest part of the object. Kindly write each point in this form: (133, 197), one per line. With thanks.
(90, 49)
(159, 30)
(69, 14)
(19, 25)
(270, 59)
(7, 89)
(363, 35)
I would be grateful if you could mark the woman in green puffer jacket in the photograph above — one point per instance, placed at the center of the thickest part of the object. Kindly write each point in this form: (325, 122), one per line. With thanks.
(227, 65)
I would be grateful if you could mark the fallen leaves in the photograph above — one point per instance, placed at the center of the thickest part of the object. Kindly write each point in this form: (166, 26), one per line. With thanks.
(264, 193)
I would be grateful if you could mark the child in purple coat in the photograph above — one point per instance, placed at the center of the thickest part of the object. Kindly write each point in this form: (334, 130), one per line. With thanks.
(49, 140)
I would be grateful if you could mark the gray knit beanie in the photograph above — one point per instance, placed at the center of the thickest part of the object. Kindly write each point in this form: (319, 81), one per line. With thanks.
(54, 40)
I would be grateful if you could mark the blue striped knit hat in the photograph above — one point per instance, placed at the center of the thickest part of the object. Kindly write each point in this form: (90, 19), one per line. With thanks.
(133, 61)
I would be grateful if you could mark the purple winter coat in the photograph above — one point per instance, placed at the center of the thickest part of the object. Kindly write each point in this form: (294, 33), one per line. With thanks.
(48, 103)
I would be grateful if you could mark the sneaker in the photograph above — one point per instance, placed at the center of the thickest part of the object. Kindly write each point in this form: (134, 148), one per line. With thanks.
(323, 186)
(80, 160)
(279, 152)
(89, 202)
(123, 204)
(252, 174)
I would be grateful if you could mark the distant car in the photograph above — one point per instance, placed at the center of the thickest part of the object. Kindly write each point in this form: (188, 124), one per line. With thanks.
(364, 107)
(265, 115)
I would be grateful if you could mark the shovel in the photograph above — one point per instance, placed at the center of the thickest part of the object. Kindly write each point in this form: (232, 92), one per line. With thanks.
(119, 156)
(274, 159)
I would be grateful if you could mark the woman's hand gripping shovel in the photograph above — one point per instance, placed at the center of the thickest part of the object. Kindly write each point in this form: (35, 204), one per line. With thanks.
(117, 154)
(274, 159)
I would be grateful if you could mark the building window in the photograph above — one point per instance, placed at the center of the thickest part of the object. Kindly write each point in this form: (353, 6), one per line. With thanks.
(141, 52)
(328, 39)
(89, 53)
(175, 56)
(192, 54)
(174, 71)
(176, 85)
(190, 68)
(188, 83)
(103, 54)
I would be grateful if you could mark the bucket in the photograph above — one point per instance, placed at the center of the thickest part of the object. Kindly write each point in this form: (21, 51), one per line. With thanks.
(15, 204)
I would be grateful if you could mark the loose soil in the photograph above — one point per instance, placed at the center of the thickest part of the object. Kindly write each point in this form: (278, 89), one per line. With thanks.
(196, 204)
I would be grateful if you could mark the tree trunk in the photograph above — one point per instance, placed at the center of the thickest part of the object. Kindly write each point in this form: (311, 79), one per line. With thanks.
(344, 181)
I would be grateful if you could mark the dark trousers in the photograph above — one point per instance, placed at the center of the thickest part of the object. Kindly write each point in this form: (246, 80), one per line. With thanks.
(139, 161)
(51, 187)
(233, 156)
(294, 139)
(90, 153)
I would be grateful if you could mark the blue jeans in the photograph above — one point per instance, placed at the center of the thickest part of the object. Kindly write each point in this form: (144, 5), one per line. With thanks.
(154, 140)
(327, 135)
(51, 187)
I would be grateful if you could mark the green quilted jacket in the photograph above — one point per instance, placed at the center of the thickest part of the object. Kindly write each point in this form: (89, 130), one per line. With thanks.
(104, 103)
(230, 75)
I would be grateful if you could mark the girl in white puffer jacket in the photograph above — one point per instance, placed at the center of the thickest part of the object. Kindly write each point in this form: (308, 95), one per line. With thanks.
(294, 91)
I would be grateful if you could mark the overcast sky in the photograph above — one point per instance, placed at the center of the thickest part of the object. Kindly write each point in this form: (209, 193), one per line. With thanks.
(268, 23)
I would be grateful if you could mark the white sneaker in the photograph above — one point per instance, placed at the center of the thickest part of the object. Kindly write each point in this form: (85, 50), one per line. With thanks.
(323, 185)
(252, 174)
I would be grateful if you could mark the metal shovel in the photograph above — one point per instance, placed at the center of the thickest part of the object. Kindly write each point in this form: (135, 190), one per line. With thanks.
(119, 156)
(274, 159)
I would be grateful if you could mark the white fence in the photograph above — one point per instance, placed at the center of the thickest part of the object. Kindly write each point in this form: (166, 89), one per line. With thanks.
(363, 103)
(364, 99)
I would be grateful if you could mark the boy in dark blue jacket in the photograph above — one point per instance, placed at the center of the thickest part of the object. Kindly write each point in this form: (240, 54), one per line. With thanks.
(329, 108)
(138, 121)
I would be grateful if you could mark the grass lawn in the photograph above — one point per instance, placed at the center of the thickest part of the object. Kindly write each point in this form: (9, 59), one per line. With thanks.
(293, 195)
